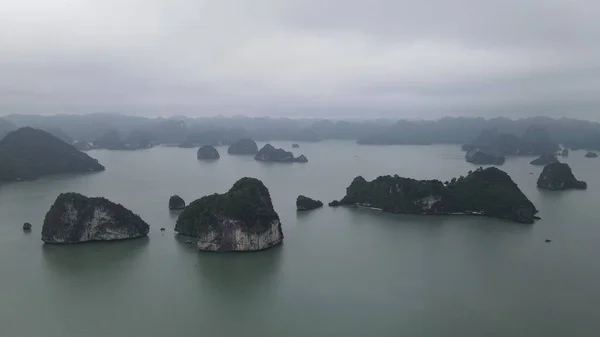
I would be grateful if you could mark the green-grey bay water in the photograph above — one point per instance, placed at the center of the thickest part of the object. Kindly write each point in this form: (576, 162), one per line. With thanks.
(340, 272)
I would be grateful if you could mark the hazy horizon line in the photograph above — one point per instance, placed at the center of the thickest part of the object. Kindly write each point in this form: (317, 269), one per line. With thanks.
(336, 118)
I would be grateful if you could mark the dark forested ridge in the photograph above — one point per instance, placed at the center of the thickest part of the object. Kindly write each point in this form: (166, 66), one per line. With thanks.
(489, 192)
(28, 153)
(139, 132)
(6, 127)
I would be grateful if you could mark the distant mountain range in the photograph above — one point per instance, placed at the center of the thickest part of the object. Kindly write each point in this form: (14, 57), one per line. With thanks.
(132, 132)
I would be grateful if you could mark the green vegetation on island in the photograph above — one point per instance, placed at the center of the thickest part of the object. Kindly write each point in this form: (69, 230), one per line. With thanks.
(558, 176)
(28, 153)
(208, 152)
(488, 192)
(243, 219)
(176, 202)
(478, 157)
(75, 218)
(305, 203)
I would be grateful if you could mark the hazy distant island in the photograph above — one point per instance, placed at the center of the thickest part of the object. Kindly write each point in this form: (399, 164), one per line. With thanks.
(60, 134)
(545, 159)
(558, 176)
(269, 153)
(213, 137)
(479, 157)
(137, 139)
(508, 136)
(207, 152)
(74, 218)
(243, 219)
(304, 203)
(244, 146)
(29, 153)
(591, 155)
(534, 141)
(110, 141)
(487, 192)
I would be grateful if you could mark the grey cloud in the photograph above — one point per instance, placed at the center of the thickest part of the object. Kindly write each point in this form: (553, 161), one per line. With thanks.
(512, 23)
(298, 58)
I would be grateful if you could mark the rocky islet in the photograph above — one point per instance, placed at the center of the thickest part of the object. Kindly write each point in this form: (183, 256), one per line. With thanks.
(304, 203)
(242, 219)
(75, 218)
(479, 157)
(176, 202)
(558, 176)
(269, 153)
(208, 152)
(545, 159)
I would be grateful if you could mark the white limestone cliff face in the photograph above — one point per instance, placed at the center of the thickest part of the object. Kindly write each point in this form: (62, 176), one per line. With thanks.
(75, 218)
(231, 237)
(428, 203)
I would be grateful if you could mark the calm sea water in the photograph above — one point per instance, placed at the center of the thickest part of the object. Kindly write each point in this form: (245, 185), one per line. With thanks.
(340, 272)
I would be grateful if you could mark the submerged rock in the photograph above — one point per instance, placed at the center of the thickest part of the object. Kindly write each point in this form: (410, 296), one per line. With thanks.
(558, 176)
(305, 203)
(176, 202)
(208, 152)
(243, 146)
(545, 159)
(76, 218)
(591, 155)
(487, 192)
(479, 157)
(27, 227)
(243, 219)
(270, 154)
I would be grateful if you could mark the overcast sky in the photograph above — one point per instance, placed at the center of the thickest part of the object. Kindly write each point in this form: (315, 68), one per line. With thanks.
(328, 58)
